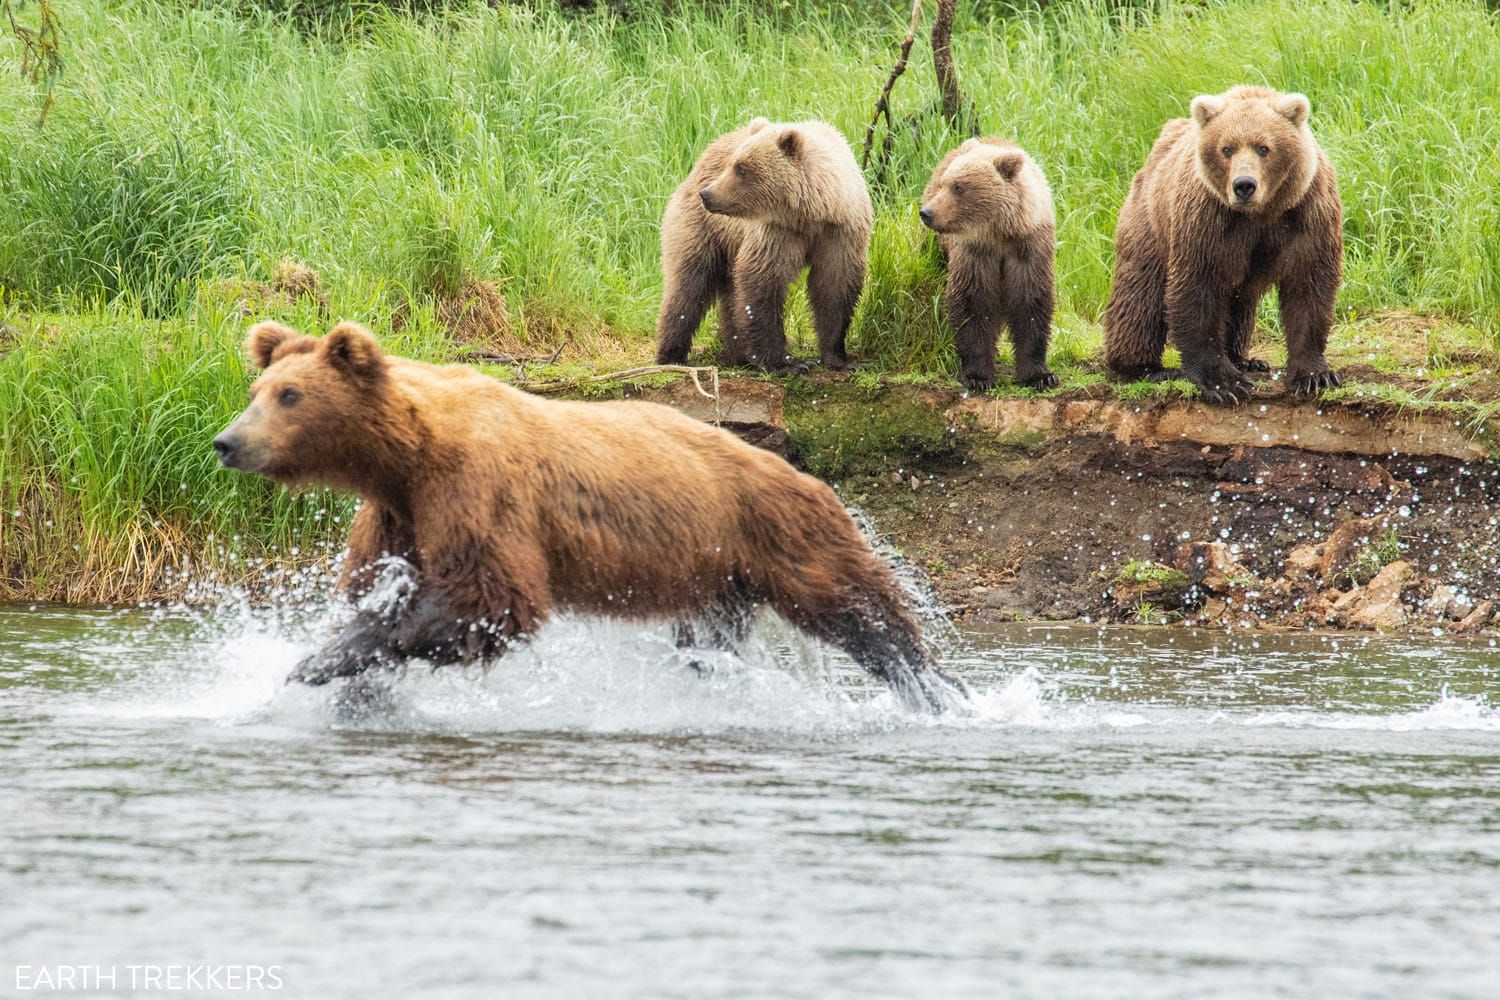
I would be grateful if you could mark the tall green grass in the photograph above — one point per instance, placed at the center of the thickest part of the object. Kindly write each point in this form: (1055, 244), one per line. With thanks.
(514, 143)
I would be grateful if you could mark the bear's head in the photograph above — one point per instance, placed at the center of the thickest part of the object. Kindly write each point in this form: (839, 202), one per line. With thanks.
(766, 179)
(309, 414)
(1255, 150)
(987, 190)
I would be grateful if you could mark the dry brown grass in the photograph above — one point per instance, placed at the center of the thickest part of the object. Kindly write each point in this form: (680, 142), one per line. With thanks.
(291, 283)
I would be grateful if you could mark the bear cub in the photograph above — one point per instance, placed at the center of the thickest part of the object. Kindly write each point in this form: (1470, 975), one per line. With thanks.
(1233, 200)
(992, 210)
(761, 204)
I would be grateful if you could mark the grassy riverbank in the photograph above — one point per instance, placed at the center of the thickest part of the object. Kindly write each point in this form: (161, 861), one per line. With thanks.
(190, 152)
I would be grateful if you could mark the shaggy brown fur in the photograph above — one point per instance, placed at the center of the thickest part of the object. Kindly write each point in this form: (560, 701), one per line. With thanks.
(762, 203)
(511, 507)
(1235, 199)
(992, 210)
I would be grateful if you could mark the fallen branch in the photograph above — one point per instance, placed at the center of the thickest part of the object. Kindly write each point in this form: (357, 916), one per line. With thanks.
(483, 357)
(690, 371)
(883, 103)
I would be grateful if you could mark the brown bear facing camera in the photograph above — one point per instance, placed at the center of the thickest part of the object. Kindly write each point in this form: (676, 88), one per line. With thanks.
(992, 210)
(1231, 201)
(510, 508)
(763, 203)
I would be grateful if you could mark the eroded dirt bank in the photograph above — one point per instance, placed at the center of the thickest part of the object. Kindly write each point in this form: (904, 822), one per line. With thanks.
(1271, 515)
(1090, 527)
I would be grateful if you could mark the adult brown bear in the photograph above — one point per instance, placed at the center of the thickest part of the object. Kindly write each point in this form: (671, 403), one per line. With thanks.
(1231, 201)
(762, 203)
(510, 507)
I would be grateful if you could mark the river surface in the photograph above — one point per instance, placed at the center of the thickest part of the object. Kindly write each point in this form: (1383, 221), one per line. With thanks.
(1129, 813)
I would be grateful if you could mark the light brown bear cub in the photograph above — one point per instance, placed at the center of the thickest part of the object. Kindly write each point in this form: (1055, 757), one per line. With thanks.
(1231, 201)
(762, 203)
(510, 508)
(992, 210)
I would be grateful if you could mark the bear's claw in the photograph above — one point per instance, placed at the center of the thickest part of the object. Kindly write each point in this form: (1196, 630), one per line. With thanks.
(1040, 381)
(1303, 384)
(789, 366)
(1221, 385)
(977, 383)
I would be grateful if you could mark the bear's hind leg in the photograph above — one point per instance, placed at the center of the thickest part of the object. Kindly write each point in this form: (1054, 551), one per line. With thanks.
(734, 342)
(973, 299)
(1241, 328)
(764, 267)
(691, 281)
(1135, 320)
(879, 633)
(834, 282)
(1028, 308)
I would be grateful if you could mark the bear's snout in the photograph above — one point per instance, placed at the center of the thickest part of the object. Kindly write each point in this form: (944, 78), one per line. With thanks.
(925, 214)
(1244, 189)
(227, 445)
(707, 197)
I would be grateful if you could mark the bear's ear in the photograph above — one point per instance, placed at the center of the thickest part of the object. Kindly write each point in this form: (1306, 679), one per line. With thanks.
(353, 350)
(1294, 108)
(269, 341)
(790, 142)
(1206, 108)
(1009, 165)
(756, 124)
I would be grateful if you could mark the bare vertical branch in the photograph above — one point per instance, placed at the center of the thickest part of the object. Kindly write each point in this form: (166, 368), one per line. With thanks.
(942, 62)
(883, 104)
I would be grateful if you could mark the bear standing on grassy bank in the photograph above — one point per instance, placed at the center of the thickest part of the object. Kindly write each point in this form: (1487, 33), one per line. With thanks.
(510, 507)
(1235, 199)
(992, 210)
(761, 204)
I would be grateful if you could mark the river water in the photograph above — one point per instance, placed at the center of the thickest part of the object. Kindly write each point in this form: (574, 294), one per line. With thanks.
(1130, 813)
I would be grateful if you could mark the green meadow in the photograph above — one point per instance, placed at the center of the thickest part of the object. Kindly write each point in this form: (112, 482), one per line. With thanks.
(190, 150)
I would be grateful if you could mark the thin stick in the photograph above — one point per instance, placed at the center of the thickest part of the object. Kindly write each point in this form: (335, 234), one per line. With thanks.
(883, 104)
(690, 371)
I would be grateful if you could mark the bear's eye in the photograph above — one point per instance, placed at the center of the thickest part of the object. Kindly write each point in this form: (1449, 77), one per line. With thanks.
(739, 170)
(958, 190)
(1263, 150)
(1228, 151)
(288, 396)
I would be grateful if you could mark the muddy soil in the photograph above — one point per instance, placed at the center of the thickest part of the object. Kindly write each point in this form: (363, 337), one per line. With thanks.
(1071, 528)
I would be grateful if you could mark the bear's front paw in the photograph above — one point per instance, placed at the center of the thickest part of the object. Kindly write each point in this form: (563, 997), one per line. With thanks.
(977, 381)
(1250, 364)
(1220, 384)
(1304, 384)
(840, 362)
(788, 366)
(315, 671)
(1040, 381)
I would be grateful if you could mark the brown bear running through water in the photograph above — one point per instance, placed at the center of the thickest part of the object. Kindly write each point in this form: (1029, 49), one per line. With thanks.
(510, 507)
(1231, 201)
(761, 204)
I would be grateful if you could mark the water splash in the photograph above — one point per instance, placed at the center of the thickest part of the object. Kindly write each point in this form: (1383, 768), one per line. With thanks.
(1449, 712)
